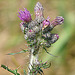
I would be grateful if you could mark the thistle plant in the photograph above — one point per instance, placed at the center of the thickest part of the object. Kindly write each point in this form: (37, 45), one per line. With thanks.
(38, 35)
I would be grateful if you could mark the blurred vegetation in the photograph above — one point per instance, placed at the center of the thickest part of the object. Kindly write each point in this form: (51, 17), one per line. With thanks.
(12, 39)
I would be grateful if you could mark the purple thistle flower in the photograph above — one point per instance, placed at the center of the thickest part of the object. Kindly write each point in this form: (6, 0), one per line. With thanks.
(25, 15)
(57, 21)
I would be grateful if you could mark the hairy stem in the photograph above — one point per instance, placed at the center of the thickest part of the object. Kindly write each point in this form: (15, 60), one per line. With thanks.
(33, 60)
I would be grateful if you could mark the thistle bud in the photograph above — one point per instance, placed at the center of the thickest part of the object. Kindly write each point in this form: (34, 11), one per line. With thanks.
(54, 38)
(36, 29)
(30, 34)
(57, 21)
(38, 10)
(36, 22)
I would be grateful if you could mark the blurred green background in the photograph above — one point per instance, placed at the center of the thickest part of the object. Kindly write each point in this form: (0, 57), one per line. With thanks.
(12, 39)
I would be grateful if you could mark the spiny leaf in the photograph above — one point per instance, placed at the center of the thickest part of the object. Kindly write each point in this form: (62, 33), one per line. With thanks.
(23, 51)
(12, 71)
(46, 65)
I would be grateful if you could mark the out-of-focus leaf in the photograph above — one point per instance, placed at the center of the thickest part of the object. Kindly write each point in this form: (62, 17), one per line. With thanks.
(24, 72)
(41, 70)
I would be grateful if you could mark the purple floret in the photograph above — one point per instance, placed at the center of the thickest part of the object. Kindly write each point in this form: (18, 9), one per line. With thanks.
(46, 22)
(25, 15)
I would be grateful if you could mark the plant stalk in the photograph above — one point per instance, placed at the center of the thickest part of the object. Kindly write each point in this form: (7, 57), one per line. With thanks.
(33, 60)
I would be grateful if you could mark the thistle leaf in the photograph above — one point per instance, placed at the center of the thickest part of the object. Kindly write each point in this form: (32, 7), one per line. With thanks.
(46, 65)
(23, 51)
(12, 71)
(48, 52)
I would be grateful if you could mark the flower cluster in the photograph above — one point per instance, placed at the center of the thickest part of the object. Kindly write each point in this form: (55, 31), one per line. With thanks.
(38, 31)
(39, 27)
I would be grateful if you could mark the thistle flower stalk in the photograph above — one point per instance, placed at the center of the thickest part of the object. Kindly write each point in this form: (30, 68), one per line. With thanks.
(37, 34)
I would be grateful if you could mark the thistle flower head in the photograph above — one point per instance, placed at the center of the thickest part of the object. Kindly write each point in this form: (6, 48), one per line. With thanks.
(57, 21)
(38, 9)
(25, 15)
(39, 28)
